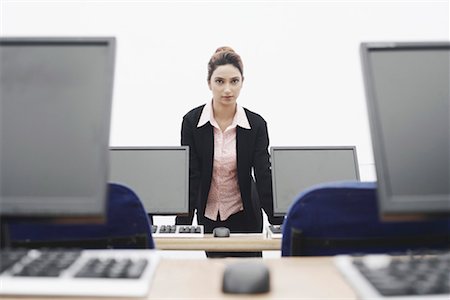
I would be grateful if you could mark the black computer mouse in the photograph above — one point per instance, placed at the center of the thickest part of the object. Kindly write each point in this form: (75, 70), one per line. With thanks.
(221, 232)
(246, 278)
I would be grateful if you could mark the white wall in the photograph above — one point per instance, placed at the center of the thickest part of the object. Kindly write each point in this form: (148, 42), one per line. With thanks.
(301, 60)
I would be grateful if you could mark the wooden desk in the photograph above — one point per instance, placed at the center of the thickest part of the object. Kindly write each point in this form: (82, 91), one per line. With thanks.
(236, 242)
(291, 278)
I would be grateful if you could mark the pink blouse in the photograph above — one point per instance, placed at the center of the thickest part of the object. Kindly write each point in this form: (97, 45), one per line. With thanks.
(224, 196)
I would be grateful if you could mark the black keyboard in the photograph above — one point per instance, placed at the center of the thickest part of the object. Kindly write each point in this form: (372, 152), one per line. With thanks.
(388, 277)
(64, 272)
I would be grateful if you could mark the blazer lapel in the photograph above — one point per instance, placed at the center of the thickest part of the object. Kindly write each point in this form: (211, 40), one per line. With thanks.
(206, 137)
(242, 148)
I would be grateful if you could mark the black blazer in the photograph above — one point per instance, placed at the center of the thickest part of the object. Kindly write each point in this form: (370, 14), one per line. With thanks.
(252, 153)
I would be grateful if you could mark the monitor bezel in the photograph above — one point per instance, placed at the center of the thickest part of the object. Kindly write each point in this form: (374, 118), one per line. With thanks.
(185, 149)
(274, 149)
(391, 206)
(82, 216)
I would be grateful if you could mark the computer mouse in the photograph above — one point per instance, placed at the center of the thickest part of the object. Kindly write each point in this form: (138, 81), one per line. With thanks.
(246, 278)
(221, 232)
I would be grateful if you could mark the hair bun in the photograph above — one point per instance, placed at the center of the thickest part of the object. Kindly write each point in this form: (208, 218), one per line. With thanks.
(224, 49)
(224, 56)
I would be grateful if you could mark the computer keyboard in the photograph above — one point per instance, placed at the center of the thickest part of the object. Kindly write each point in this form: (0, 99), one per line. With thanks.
(106, 273)
(179, 231)
(398, 277)
(275, 231)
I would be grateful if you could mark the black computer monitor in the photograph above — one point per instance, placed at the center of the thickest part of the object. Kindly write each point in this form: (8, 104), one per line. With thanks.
(294, 169)
(158, 175)
(407, 91)
(55, 103)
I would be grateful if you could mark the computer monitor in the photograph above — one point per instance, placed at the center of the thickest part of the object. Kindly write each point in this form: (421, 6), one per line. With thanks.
(55, 103)
(158, 175)
(407, 91)
(295, 169)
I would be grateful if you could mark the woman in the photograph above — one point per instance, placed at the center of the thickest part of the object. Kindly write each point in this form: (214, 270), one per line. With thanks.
(226, 142)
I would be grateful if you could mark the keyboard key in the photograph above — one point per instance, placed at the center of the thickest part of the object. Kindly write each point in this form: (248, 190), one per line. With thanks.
(135, 270)
(9, 258)
(167, 229)
(112, 268)
(275, 229)
(45, 263)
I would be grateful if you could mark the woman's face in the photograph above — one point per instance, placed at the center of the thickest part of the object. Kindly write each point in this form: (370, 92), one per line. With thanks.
(225, 84)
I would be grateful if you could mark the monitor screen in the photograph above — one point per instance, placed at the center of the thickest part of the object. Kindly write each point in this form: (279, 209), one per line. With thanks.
(55, 103)
(158, 175)
(295, 169)
(407, 91)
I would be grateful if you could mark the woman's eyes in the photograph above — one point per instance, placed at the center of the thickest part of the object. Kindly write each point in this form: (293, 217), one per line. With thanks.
(234, 81)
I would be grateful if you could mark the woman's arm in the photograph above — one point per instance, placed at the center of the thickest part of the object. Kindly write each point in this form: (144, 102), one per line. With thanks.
(263, 174)
(187, 139)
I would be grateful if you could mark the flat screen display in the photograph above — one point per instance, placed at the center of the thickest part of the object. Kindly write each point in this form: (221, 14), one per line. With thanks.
(55, 111)
(158, 175)
(407, 89)
(295, 169)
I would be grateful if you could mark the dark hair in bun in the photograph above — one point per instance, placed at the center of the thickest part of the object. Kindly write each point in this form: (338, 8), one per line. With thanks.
(225, 56)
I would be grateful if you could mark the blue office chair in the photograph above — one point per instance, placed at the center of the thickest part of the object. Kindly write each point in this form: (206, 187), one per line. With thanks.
(127, 227)
(343, 218)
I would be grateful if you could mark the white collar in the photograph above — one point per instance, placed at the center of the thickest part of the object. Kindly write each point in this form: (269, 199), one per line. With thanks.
(240, 118)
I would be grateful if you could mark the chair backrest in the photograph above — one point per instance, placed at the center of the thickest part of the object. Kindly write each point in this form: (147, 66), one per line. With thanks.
(127, 226)
(343, 218)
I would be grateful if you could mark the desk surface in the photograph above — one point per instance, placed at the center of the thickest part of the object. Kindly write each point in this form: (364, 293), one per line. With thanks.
(236, 242)
(291, 278)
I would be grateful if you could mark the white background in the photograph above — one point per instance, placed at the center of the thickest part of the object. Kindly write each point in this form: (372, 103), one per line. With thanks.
(301, 59)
